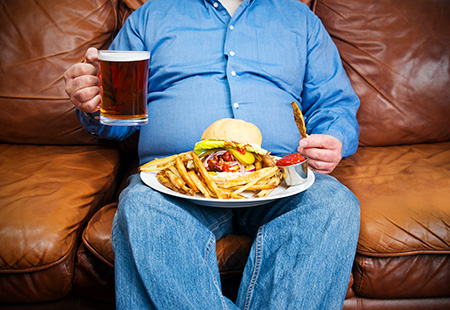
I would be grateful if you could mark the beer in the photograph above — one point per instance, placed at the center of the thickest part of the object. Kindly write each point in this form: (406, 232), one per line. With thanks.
(124, 80)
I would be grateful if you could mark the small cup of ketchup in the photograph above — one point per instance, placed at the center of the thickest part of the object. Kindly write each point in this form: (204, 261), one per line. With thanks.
(296, 167)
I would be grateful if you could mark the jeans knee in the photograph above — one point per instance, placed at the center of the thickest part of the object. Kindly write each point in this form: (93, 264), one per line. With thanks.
(343, 204)
(349, 212)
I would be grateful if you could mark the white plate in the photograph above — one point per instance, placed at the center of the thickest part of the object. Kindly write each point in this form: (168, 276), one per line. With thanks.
(282, 191)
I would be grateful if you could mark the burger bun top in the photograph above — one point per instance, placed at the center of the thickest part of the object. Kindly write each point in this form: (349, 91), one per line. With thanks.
(230, 129)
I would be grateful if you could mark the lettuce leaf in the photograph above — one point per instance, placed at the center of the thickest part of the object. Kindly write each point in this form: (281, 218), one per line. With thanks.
(208, 144)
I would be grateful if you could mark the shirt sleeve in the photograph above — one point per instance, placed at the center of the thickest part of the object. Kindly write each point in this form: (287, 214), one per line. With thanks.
(329, 102)
(127, 39)
(91, 123)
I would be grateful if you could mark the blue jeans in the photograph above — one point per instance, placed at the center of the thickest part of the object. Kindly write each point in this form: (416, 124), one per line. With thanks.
(301, 256)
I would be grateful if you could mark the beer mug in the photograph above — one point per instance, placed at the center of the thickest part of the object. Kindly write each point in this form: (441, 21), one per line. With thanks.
(124, 83)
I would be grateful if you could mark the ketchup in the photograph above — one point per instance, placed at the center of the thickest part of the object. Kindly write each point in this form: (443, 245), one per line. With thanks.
(291, 159)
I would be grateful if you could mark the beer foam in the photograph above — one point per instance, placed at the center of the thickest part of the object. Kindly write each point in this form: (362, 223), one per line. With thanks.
(123, 55)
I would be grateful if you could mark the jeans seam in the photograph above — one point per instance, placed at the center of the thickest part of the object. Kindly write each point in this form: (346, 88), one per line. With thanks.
(258, 258)
(209, 245)
(220, 221)
(208, 248)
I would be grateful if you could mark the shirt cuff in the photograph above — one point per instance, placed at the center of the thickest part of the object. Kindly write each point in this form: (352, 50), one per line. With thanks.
(90, 121)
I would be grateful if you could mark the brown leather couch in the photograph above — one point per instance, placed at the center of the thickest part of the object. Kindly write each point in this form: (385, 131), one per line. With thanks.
(58, 185)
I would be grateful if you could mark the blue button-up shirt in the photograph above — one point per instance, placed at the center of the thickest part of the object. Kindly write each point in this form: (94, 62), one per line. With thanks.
(206, 65)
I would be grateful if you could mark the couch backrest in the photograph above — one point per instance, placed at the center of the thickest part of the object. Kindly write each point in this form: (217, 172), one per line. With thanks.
(397, 55)
(40, 40)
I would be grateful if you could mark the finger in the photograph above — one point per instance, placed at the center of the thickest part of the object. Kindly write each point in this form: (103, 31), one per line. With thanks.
(91, 105)
(80, 69)
(82, 89)
(325, 155)
(320, 141)
(320, 171)
(321, 167)
(78, 77)
(84, 81)
(86, 94)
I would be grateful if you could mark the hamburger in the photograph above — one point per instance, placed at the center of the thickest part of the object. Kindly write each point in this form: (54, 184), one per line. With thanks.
(230, 148)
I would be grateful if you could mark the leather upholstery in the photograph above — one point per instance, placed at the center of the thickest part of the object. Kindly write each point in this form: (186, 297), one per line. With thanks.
(396, 55)
(359, 303)
(403, 245)
(40, 40)
(410, 276)
(53, 174)
(97, 235)
(42, 214)
(404, 193)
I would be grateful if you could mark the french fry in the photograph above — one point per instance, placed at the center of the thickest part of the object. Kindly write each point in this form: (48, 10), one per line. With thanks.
(258, 164)
(208, 180)
(184, 174)
(229, 193)
(159, 164)
(174, 170)
(157, 168)
(211, 193)
(199, 184)
(275, 181)
(268, 160)
(270, 171)
(185, 156)
(256, 187)
(246, 178)
(179, 183)
(164, 180)
(299, 120)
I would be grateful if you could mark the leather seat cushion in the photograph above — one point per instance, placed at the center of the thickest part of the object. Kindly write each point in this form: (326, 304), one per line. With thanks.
(232, 250)
(47, 195)
(404, 193)
(411, 276)
(97, 235)
(358, 303)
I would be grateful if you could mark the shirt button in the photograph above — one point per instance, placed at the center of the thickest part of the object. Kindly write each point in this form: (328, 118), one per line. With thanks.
(233, 73)
(216, 5)
(231, 27)
(236, 105)
(232, 53)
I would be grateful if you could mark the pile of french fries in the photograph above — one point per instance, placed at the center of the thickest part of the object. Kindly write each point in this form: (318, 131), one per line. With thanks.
(185, 173)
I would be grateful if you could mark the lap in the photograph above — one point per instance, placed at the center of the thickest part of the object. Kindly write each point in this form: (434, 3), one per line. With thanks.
(146, 206)
(325, 198)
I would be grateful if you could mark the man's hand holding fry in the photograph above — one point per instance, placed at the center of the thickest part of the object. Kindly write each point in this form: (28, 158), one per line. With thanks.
(324, 152)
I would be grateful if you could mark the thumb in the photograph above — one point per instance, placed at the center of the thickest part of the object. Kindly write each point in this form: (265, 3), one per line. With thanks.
(301, 145)
(91, 56)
